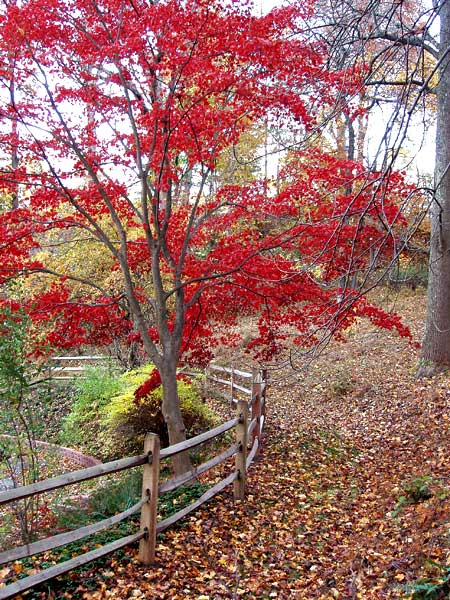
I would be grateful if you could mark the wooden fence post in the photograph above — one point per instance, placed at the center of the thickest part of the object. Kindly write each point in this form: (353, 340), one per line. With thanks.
(205, 382)
(241, 454)
(264, 391)
(232, 385)
(150, 484)
(256, 408)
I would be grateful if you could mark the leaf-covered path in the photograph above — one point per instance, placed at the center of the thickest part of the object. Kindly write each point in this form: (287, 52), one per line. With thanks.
(350, 498)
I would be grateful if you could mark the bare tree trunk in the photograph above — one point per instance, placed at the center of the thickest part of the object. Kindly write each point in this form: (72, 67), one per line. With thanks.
(172, 416)
(361, 138)
(346, 139)
(436, 342)
(15, 139)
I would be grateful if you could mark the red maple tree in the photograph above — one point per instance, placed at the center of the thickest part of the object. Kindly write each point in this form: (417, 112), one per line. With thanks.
(120, 112)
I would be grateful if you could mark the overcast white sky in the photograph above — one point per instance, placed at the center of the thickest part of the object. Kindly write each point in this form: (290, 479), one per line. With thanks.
(419, 147)
(263, 6)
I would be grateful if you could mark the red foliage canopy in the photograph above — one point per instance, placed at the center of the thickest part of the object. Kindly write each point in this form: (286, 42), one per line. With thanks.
(119, 112)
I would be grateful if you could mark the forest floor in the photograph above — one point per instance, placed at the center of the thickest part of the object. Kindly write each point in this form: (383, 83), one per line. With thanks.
(350, 498)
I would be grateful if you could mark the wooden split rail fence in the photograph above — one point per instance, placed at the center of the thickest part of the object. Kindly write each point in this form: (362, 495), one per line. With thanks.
(68, 368)
(247, 423)
(237, 389)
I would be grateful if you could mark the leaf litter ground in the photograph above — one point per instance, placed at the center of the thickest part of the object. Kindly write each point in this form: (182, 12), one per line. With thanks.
(349, 499)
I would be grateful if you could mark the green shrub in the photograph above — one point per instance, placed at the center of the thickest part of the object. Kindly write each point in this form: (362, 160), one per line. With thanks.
(130, 421)
(82, 426)
(418, 489)
(105, 420)
(19, 461)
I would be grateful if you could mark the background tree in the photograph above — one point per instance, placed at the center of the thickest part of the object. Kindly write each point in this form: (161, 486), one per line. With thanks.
(436, 343)
(404, 49)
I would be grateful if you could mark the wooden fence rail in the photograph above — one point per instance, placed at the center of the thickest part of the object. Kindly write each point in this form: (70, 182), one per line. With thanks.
(48, 485)
(67, 368)
(247, 430)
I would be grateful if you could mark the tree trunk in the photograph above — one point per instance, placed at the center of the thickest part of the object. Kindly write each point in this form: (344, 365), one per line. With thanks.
(436, 343)
(173, 418)
(14, 138)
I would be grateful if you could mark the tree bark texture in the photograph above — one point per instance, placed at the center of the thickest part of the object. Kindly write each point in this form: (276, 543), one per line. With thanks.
(436, 343)
(173, 418)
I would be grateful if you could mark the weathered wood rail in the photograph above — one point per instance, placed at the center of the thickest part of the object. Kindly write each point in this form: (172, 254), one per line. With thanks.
(236, 390)
(68, 368)
(247, 423)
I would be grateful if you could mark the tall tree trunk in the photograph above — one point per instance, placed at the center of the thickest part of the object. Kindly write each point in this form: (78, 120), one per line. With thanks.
(14, 138)
(436, 342)
(346, 151)
(172, 416)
